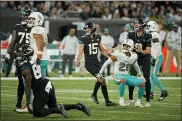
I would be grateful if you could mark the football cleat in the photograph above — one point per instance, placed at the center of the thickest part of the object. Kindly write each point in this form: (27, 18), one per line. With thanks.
(138, 104)
(84, 108)
(163, 95)
(94, 98)
(129, 102)
(147, 104)
(62, 110)
(110, 103)
(151, 96)
(22, 110)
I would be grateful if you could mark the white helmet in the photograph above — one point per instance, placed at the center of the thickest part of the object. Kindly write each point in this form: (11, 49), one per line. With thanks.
(127, 45)
(35, 19)
(152, 26)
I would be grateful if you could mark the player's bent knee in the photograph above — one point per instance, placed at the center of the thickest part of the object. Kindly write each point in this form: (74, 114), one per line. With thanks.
(142, 84)
(37, 114)
(123, 81)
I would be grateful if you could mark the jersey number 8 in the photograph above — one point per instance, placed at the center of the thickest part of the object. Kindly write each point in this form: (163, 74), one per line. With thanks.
(36, 71)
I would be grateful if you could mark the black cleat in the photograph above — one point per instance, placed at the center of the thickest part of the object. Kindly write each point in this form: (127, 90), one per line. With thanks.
(18, 106)
(163, 95)
(84, 108)
(62, 110)
(94, 98)
(110, 103)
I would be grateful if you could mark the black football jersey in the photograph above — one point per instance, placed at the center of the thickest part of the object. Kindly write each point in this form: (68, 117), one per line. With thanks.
(90, 46)
(22, 35)
(144, 41)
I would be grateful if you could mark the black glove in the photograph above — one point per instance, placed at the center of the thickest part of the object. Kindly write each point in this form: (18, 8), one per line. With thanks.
(7, 58)
(153, 62)
(38, 61)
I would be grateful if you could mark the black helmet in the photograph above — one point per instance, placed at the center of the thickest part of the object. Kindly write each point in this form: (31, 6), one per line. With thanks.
(24, 16)
(141, 26)
(90, 25)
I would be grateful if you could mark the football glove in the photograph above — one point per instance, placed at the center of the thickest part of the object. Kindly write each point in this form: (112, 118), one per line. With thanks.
(153, 62)
(38, 61)
(7, 58)
(99, 76)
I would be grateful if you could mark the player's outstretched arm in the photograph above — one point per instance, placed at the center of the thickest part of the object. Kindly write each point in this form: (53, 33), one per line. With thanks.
(10, 47)
(108, 62)
(39, 39)
(137, 68)
(103, 51)
(79, 55)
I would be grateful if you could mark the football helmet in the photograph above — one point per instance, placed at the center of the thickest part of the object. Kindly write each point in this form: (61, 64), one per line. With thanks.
(89, 25)
(152, 26)
(24, 16)
(139, 24)
(35, 19)
(127, 45)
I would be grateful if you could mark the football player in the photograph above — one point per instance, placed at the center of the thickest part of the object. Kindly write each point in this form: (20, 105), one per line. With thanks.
(89, 44)
(43, 90)
(39, 41)
(123, 59)
(156, 60)
(142, 43)
(20, 37)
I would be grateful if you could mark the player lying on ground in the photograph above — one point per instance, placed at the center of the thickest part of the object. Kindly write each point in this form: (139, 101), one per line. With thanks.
(89, 44)
(43, 91)
(39, 40)
(20, 37)
(156, 60)
(123, 59)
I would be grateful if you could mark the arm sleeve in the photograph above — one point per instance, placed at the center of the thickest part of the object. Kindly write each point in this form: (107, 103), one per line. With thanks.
(108, 62)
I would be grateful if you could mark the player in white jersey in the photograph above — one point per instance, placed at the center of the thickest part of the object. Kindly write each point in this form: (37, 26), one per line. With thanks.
(157, 59)
(39, 41)
(123, 59)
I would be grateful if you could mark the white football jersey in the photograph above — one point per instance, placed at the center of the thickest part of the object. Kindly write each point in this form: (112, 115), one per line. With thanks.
(123, 63)
(42, 31)
(156, 46)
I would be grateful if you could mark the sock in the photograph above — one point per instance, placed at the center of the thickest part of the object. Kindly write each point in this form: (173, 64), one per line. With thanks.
(121, 89)
(96, 88)
(121, 99)
(138, 100)
(131, 89)
(20, 92)
(147, 89)
(70, 106)
(105, 93)
(152, 85)
(156, 80)
(140, 92)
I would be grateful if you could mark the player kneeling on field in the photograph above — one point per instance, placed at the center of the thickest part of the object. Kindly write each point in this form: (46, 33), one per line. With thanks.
(123, 59)
(43, 91)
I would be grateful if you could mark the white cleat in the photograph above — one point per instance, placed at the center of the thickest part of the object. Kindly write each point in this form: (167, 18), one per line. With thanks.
(61, 75)
(22, 110)
(147, 104)
(129, 102)
(138, 104)
(122, 104)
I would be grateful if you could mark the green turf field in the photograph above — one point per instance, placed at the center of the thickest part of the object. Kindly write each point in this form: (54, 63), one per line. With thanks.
(70, 91)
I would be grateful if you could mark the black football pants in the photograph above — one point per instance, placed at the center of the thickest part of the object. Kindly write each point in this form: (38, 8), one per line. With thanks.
(144, 63)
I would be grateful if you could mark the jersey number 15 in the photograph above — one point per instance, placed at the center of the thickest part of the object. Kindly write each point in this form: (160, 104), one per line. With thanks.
(93, 48)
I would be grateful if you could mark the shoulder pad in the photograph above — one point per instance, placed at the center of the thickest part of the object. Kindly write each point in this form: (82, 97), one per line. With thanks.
(38, 30)
(17, 26)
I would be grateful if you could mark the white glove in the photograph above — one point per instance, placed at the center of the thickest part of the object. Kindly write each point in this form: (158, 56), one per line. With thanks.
(99, 76)
(143, 78)
(7, 58)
